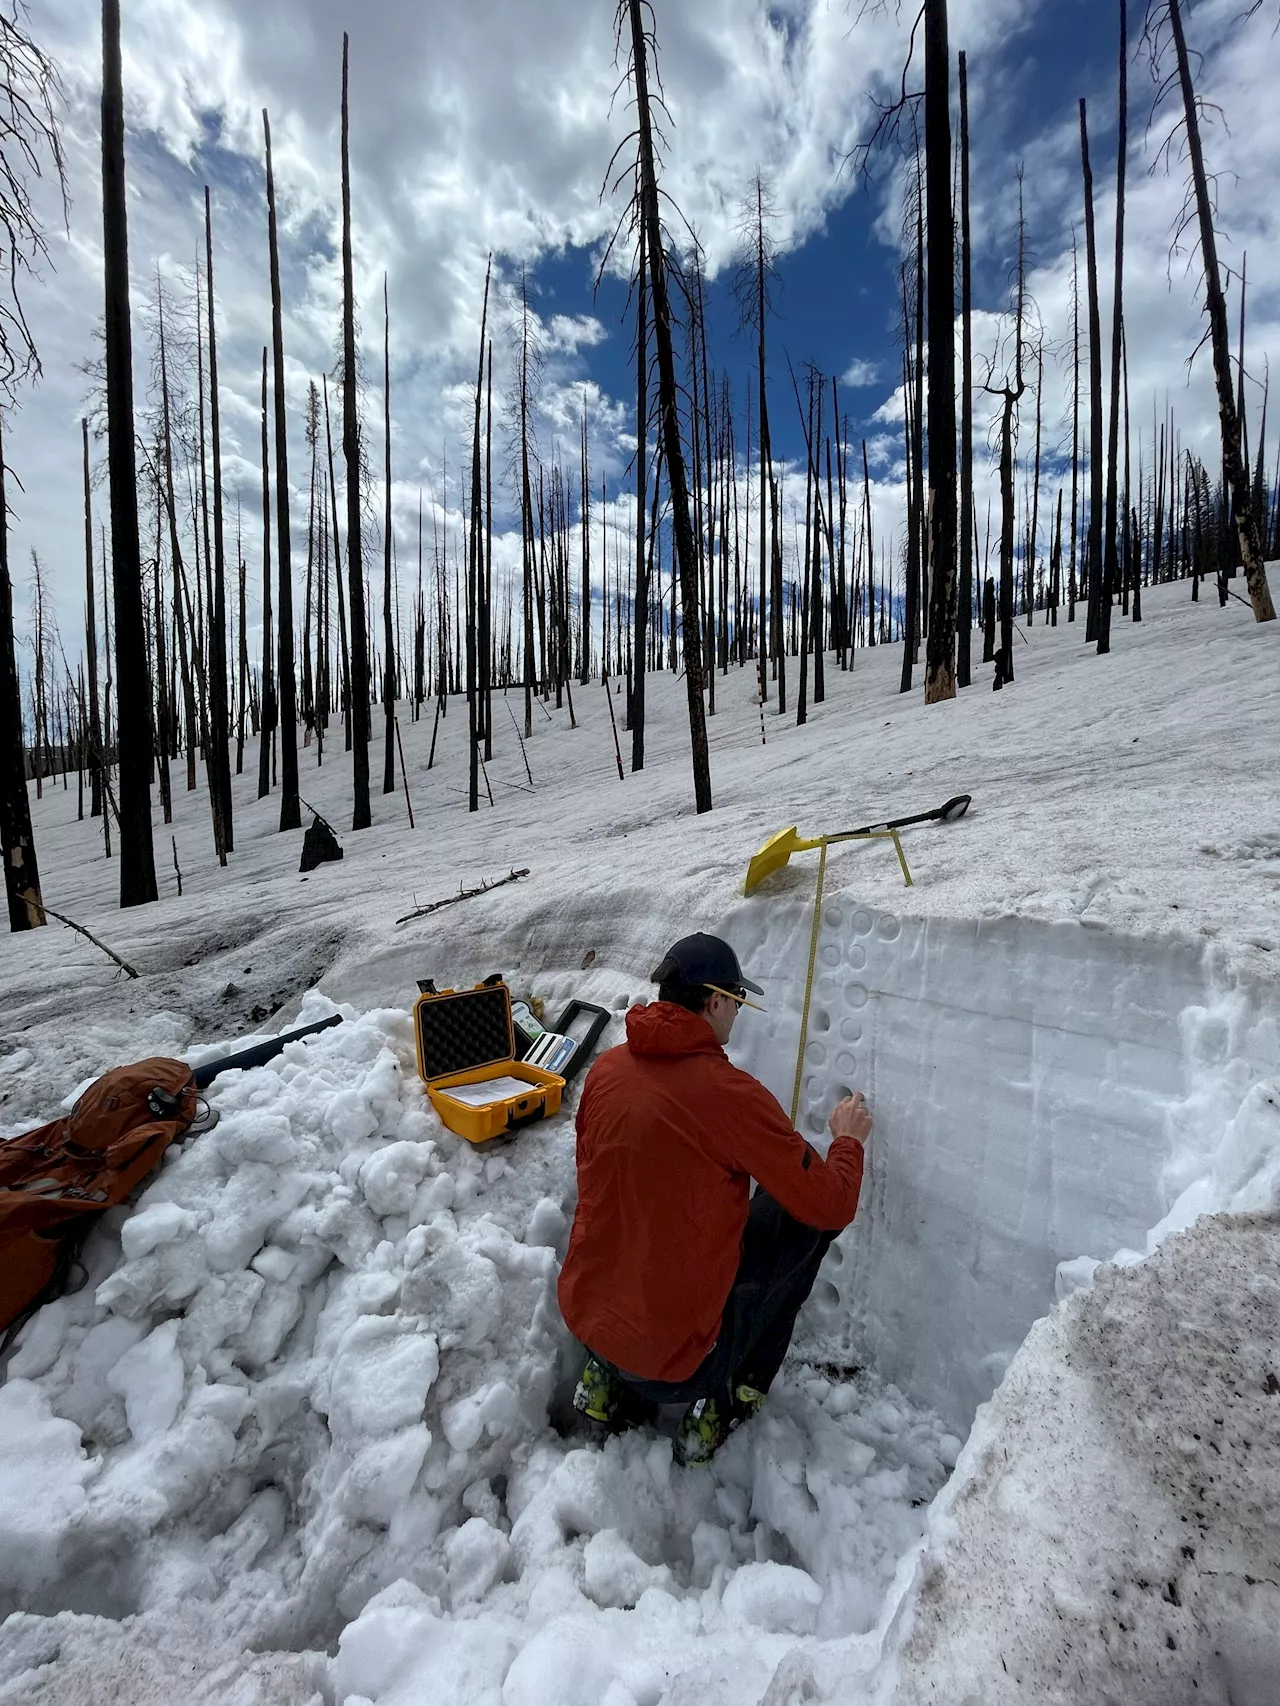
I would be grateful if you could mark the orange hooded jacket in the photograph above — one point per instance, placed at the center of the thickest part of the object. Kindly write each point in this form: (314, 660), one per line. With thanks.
(670, 1135)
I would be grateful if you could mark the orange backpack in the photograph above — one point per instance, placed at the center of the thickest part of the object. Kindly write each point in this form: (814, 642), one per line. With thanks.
(54, 1181)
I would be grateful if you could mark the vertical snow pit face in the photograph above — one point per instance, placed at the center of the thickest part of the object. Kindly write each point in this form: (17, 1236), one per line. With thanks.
(1025, 1079)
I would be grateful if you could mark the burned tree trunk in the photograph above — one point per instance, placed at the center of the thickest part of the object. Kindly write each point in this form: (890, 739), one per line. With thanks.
(133, 714)
(219, 721)
(963, 660)
(1093, 559)
(361, 816)
(1110, 560)
(17, 844)
(96, 803)
(290, 807)
(388, 644)
(1237, 476)
(267, 689)
(940, 655)
(640, 611)
(668, 410)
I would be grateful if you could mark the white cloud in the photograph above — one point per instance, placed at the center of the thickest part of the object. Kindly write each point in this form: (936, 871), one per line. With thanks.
(859, 374)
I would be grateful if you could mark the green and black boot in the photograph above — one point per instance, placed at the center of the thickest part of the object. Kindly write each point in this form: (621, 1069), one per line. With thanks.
(605, 1398)
(708, 1422)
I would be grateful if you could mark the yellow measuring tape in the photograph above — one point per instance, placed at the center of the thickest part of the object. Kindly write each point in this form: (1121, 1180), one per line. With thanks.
(865, 835)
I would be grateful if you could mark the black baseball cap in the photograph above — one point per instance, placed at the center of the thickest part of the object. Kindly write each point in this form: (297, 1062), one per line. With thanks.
(703, 959)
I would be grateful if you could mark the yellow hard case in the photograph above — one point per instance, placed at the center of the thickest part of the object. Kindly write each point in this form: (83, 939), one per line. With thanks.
(465, 1036)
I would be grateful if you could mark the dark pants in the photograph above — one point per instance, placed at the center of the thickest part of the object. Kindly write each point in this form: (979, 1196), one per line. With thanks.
(779, 1263)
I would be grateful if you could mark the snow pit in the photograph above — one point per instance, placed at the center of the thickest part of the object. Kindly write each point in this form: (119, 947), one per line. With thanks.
(308, 1391)
(1046, 1096)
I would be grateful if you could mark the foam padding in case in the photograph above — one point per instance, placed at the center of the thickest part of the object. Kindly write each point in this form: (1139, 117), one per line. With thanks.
(463, 1030)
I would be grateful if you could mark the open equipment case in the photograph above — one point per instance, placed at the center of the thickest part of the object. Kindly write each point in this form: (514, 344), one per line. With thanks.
(471, 1058)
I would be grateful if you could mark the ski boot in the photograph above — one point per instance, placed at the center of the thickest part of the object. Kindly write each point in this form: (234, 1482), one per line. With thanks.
(605, 1398)
(708, 1422)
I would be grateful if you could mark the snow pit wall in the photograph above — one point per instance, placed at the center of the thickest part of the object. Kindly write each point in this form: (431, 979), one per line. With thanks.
(1041, 1092)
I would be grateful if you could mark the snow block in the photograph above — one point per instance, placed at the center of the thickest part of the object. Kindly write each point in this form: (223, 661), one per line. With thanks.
(776, 1597)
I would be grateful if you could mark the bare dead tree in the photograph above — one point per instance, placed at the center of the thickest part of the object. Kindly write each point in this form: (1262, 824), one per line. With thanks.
(17, 843)
(361, 816)
(1093, 553)
(475, 563)
(643, 44)
(94, 730)
(753, 280)
(219, 717)
(1110, 560)
(1199, 207)
(388, 662)
(965, 598)
(137, 855)
(31, 101)
(1010, 393)
(940, 656)
(286, 675)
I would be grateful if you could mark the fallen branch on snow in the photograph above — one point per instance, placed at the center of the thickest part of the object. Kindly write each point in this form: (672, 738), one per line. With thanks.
(89, 936)
(462, 894)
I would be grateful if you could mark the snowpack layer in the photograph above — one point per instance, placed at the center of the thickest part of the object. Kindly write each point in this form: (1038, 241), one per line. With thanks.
(295, 1439)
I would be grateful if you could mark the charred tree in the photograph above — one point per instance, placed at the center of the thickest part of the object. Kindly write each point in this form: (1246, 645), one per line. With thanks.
(267, 689)
(219, 717)
(965, 600)
(94, 730)
(388, 643)
(17, 843)
(668, 402)
(133, 715)
(1093, 556)
(290, 806)
(940, 655)
(640, 612)
(361, 816)
(1237, 475)
(1112, 523)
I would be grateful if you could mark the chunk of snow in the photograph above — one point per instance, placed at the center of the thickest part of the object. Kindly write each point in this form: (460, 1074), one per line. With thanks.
(252, 1134)
(350, 1118)
(43, 1471)
(390, 1179)
(150, 1377)
(567, 1663)
(493, 1408)
(380, 1378)
(776, 1597)
(383, 1473)
(160, 1223)
(615, 1574)
(1074, 1276)
(547, 1224)
(476, 1557)
(400, 1651)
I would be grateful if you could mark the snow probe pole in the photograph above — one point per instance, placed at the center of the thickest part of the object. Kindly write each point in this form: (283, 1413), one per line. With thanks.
(808, 982)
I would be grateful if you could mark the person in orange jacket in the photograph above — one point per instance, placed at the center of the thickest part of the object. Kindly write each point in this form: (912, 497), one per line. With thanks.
(682, 1285)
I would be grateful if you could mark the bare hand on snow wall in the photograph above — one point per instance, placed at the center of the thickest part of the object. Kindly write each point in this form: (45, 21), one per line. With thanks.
(851, 1118)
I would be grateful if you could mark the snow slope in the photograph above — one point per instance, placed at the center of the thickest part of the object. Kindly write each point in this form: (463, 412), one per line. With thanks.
(294, 1440)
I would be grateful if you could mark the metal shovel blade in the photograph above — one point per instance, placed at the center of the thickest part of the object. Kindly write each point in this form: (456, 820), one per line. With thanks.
(774, 855)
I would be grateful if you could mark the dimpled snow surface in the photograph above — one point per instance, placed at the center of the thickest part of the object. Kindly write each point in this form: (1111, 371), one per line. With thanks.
(305, 1434)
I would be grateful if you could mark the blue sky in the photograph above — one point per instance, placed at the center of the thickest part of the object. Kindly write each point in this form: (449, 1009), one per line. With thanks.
(836, 298)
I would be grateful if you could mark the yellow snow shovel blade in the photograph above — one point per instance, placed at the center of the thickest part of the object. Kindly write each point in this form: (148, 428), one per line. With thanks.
(779, 848)
(774, 855)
